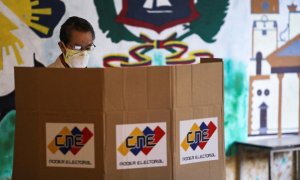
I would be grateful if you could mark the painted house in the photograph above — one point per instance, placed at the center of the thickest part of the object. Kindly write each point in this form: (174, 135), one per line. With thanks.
(264, 7)
(274, 98)
(294, 21)
(264, 36)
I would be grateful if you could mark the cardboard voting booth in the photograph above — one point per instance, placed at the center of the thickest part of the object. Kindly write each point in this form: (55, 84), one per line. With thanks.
(162, 123)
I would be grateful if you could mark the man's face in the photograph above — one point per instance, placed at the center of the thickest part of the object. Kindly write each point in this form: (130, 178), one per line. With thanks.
(79, 40)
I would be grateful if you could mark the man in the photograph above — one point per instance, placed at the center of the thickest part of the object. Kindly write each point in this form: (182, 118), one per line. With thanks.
(76, 42)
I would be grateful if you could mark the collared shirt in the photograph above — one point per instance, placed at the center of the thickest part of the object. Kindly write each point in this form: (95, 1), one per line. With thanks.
(59, 63)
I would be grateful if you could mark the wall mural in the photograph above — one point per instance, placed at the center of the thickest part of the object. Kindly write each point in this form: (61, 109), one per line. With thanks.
(274, 68)
(41, 17)
(158, 16)
(259, 41)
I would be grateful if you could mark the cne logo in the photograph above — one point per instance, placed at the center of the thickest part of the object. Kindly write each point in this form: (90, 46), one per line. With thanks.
(141, 141)
(198, 136)
(70, 140)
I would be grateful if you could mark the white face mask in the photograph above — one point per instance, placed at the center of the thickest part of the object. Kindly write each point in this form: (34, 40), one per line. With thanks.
(76, 58)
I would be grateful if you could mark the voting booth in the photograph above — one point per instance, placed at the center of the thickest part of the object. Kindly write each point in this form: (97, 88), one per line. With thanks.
(162, 123)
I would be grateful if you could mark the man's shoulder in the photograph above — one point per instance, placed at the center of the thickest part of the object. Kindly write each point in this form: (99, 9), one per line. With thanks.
(56, 64)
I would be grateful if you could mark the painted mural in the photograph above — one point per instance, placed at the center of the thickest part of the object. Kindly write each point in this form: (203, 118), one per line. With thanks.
(259, 41)
(160, 16)
(274, 70)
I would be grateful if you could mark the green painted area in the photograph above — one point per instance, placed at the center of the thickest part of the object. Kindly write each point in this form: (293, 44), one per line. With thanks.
(7, 136)
(210, 21)
(107, 23)
(235, 105)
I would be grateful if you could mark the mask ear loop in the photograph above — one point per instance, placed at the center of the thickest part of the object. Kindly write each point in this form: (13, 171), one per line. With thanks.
(63, 61)
(62, 47)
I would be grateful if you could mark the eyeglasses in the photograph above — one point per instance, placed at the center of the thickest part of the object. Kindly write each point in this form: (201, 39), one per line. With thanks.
(82, 48)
